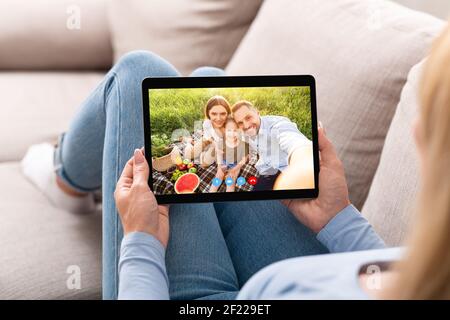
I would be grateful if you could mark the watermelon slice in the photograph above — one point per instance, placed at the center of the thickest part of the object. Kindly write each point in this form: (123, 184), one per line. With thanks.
(187, 183)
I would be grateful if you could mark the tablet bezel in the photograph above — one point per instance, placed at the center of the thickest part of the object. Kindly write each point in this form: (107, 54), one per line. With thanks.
(231, 82)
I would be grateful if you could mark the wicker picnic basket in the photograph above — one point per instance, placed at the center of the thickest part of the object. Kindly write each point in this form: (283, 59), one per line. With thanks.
(166, 162)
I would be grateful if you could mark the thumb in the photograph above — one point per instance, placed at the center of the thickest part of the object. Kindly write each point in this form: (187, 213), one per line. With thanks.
(326, 148)
(140, 168)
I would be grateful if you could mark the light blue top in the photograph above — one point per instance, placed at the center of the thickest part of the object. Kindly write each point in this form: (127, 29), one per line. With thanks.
(277, 138)
(142, 270)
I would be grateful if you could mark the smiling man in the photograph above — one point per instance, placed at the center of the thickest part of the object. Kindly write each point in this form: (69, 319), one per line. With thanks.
(280, 147)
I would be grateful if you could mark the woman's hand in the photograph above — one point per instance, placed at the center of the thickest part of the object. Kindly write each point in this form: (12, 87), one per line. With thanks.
(333, 194)
(137, 206)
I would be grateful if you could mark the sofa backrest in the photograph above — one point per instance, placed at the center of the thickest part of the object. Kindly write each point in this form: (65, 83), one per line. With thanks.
(189, 34)
(391, 201)
(360, 53)
(54, 34)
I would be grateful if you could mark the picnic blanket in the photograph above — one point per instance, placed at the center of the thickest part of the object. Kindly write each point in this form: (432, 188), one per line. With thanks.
(163, 185)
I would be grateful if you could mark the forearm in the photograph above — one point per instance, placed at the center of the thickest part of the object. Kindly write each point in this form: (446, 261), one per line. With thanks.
(142, 270)
(349, 231)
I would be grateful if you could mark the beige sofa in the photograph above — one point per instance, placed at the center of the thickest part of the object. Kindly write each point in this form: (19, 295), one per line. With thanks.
(360, 54)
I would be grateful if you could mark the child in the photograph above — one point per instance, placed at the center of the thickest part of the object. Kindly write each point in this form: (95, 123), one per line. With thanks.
(231, 154)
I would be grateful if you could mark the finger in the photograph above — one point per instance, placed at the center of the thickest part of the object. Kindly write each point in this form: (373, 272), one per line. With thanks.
(326, 148)
(127, 173)
(321, 126)
(141, 170)
(164, 209)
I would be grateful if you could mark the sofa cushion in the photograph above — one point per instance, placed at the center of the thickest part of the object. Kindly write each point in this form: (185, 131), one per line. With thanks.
(189, 34)
(36, 107)
(439, 8)
(391, 200)
(40, 243)
(360, 56)
(40, 34)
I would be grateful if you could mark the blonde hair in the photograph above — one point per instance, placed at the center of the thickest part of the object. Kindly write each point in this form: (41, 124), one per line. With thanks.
(424, 273)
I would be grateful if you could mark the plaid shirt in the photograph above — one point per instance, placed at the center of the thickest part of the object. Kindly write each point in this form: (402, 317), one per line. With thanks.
(162, 183)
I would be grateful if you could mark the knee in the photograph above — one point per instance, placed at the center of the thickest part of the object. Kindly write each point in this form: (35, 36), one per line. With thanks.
(136, 58)
(143, 64)
(207, 72)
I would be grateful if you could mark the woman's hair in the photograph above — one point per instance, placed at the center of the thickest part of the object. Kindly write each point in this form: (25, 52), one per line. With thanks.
(425, 271)
(217, 101)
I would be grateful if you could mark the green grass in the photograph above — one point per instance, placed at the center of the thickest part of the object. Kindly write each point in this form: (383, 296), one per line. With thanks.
(173, 109)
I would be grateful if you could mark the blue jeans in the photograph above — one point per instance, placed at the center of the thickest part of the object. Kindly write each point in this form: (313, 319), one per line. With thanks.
(213, 248)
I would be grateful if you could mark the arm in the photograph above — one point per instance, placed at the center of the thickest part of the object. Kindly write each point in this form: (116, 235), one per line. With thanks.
(289, 137)
(338, 225)
(300, 172)
(142, 269)
(142, 272)
(349, 231)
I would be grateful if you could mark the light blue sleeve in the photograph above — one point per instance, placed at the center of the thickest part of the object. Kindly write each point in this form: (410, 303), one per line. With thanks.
(142, 268)
(349, 231)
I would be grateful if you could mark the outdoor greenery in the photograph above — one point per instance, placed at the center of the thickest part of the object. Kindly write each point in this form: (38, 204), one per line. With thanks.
(172, 109)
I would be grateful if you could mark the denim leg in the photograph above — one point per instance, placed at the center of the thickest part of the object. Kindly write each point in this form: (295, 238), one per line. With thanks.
(259, 233)
(207, 72)
(124, 133)
(197, 259)
(81, 148)
(102, 137)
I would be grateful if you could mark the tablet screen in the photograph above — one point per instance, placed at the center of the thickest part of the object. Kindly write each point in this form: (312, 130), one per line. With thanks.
(231, 140)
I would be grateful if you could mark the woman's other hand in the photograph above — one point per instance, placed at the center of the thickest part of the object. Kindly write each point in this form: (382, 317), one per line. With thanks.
(136, 203)
(333, 191)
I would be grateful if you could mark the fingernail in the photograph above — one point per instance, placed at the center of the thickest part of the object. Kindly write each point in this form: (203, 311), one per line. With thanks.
(320, 124)
(138, 156)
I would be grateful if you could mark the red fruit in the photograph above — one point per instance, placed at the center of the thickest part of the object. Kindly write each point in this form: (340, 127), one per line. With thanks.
(182, 167)
(187, 183)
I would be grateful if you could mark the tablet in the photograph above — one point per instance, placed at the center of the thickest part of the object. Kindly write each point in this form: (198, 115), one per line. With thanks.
(229, 138)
